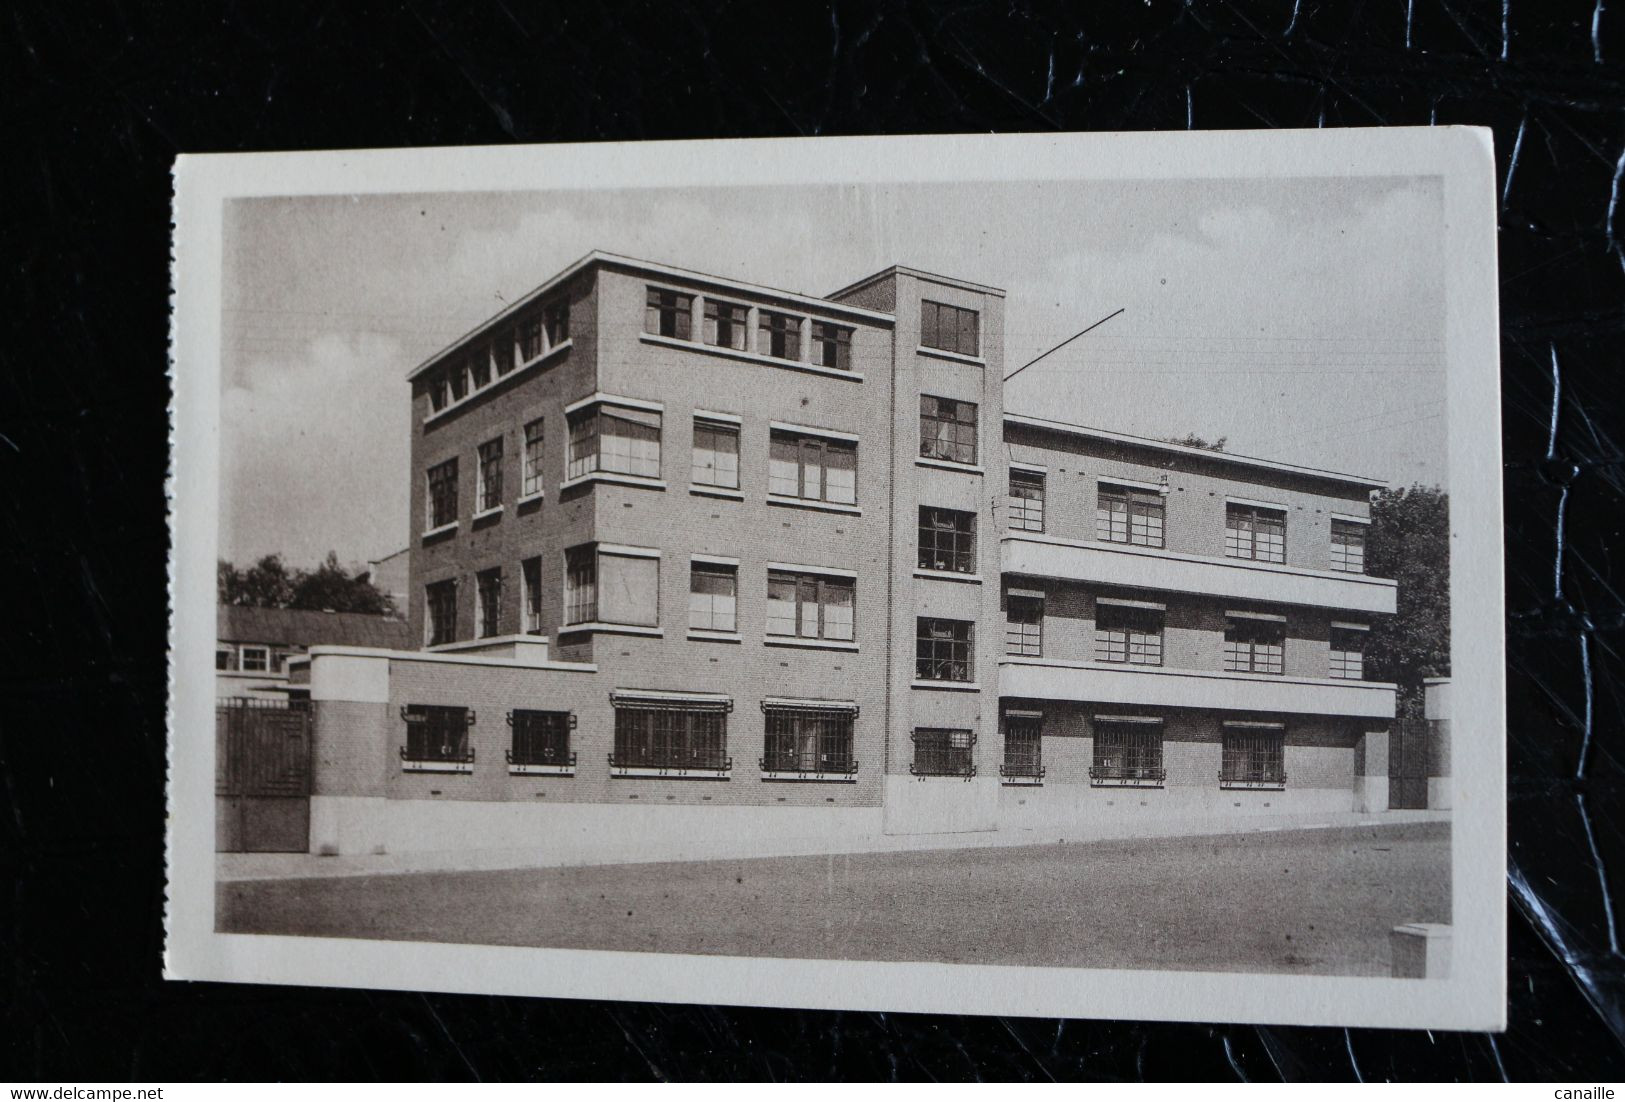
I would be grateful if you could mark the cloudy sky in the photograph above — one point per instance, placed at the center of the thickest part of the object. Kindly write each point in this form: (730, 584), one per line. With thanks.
(1301, 319)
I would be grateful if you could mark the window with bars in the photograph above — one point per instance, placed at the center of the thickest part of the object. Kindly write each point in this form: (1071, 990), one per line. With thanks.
(810, 606)
(436, 733)
(1254, 646)
(1255, 532)
(556, 321)
(479, 367)
(947, 429)
(944, 650)
(1253, 758)
(581, 585)
(530, 576)
(713, 597)
(1348, 653)
(1026, 501)
(1127, 753)
(1024, 625)
(488, 584)
(716, 454)
(490, 487)
(813, 468)
(802, 740)
(1129, 634)
(614, 439)
(442, 484)
(943, 752)
(831, 345)
(540, 738)
(670, 738)
(1023, 747)
(669, 314)
(531, 476)
(502, 352)
(950, 328)
(1348, 547)
(1126, 514)
(440, 606)
(947, 540)
(726, 324)
(778, 335)
(531, 343)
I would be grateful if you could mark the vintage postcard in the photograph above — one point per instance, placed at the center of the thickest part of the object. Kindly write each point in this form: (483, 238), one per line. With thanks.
(1041, 575)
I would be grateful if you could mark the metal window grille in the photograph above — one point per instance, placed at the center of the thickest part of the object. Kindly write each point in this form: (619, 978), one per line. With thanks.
(832, 345)
(669, 314)
(1348, 654)
(670, 738)
(716, 455)
(1024, 627)
(1023, 747)
(950, 328)
(779, 336)
(1348, 547)
(947, 540)
(1253, 757)
(713, 597)
(541, 738)
(556, 321)
(1127, 515)
(810, 606)
(943, 650)
(442, 479)
(947, 429)
(1255, 533)
(943, 752)
(532, 479)
(531, 571)
(437, 732)
(813, 468)
(1254, 646)
(1128, 752)
(502, 352)
(530, 338)
(805, 741)
(580, 585)
(725, 324)
(1131, 635)
(489, 585)
(1026, 501)
(491, 474)
(442, 610)
(479, 367)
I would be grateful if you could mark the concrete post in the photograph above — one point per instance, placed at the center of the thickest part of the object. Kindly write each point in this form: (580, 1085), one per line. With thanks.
(806, 341)
(350, 701)
(753, 321)
(1437, 710)
(696, 319)
(1371, 772)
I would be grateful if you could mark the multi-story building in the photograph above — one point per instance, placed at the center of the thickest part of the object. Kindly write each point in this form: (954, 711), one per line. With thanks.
(685, 548)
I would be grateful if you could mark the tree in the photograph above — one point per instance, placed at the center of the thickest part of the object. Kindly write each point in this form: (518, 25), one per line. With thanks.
(266, 584)
(269, 584)
(1191, 440)
(1409, 541)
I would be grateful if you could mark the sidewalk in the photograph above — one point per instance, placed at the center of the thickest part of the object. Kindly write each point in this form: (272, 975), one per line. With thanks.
(234, 867)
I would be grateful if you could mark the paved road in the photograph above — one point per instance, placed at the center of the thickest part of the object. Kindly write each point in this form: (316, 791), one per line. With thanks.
(1303, 901)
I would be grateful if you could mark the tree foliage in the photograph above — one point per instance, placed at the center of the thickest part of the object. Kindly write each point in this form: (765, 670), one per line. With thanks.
(1191, 440)
(1409, 541)
(270, 584)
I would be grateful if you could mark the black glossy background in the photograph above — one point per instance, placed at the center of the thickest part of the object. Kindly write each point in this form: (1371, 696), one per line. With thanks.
(96, 102)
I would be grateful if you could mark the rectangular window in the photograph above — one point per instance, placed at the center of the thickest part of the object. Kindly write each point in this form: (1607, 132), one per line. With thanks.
(479, 367)
(502, 352)
(531, 482)
(1255, 532)
(490, 487)
(1127, 634)
(1127, 753)
(442, 479)
(669, 314)
(670, 738)
(1023, 747)
(1348, 547)
(778, 335)
(1254, 646)
(530, 338)
(628, 589)
(831, 345)
(615, 439)
(813, 468)
(943, 752)
(801, 740)
(1024, 626)
(716, 454)
(458, 375)
(530, 575)
(1026, 501)
(540, 738)
(222, 659)
(1348, 653)
(255, 659)
(1124, 514)
(437, 733)
(713, 597)
(556, 322)
(489, 586)
(810, 606)
(950, 328)
(441, 612)
(580, 585)
(943, 650)
(947, 429)
(947, 540)
(725, 324)
(439, 393)
(1253, 758)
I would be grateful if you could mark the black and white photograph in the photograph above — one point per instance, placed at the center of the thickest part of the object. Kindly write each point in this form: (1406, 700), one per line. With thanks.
(1023, 575)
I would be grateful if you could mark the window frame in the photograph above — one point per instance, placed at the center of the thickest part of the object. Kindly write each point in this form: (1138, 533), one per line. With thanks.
(488, 472)
(661, 303)
(440, 486)
(1339, 664)
(1255, 520)
(1023, 638)
(1136, 745)
(488, 603)
(1258, 657)
(580, 584)
(1143, 515)
(943, 752)
(931, 335)
(929, 662)
(530, 583)
(820, 587)
(264, 653)
(809, 742)
(1022, 511)
(1023, 749)
(531, 482)
(1343, 560)
(831, 342)
(717, 429)
(698, 568)
(652, 738)
(1252, 757)
(1138, 645)
(807, 445)
(540, 741)
(437, 737)
(776, 325)
(960, 551)
(725, 316)
(933, 419)
(440, 612)
(586, 431)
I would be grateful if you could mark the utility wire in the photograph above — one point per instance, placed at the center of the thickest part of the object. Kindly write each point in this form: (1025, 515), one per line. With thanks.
(1064, 343)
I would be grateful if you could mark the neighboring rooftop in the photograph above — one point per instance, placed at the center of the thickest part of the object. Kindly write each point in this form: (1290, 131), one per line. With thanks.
(297, 627)
(917, 273)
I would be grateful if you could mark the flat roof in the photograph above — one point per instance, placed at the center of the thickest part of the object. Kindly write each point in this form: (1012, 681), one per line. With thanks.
(919, 273)
(1195, 453)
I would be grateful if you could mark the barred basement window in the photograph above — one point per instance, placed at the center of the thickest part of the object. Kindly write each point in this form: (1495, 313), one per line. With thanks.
(716, 454)
(947, 429)
(713, 597)
(490, 471)
(616, 439)
(489, 586)
(531, 477)
(950, 328)
(779, 336)
(947, 540)
(1024, 625)
(1253, 758)
(1128, 634)
(669, 314)
(1255, 532)
(943, 752)
(541, 738)
(440, 606)
(813, 468)
(831, 345)
(1348, 653)
(442, 483)
(943, 650)
(1348, 547)
(1023, 748)
(437, 733)
(1254, 646)
(802, 740)
(556, 322)
(725, 324)
(1124, 514)
(810, 606)
(1026, 501)
(1127, 753)
(670, 738)
(531, 578)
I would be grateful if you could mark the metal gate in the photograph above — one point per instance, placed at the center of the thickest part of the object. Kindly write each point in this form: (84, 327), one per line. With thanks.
(262, 777)
(1408, 765)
